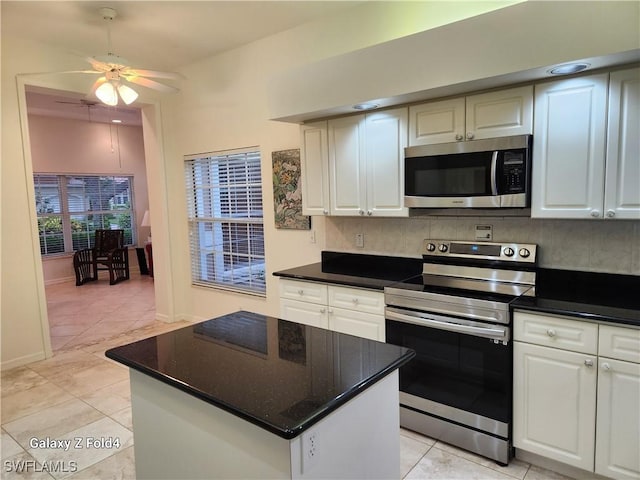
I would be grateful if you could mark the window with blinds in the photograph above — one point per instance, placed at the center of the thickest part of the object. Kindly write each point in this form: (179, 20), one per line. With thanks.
(224, 201)
(71, 208)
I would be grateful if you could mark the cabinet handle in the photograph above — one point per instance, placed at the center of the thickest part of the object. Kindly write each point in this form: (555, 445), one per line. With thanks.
(330, 311)
(588, 363)
(361, 212)
(595, 213)
(322, 310)
(470, 135)
(326, 212)
(369, 212)
(606, 367)
(300, 292)
(459, 137)
(355, 301)
(611, 213)
(551, 332)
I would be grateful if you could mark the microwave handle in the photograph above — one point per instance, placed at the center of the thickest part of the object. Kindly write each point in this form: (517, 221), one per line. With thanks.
(494, 173)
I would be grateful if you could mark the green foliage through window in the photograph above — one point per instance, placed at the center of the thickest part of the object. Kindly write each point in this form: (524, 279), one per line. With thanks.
(71, 208)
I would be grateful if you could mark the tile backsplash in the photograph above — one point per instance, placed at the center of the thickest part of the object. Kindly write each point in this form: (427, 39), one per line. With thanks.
(588, 245)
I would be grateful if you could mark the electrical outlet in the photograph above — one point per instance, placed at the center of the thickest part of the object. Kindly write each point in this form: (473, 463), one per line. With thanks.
(309, 450)
(312, 236)
(360, 240)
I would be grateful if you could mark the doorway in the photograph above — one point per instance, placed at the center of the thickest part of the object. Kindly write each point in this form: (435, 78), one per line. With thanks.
(82, 150)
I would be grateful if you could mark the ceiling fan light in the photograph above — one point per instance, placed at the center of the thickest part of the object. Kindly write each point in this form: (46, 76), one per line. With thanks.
(107, 94)
(127, 94)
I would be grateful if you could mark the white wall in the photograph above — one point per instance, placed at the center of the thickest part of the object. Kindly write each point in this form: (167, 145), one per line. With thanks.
(62, 146)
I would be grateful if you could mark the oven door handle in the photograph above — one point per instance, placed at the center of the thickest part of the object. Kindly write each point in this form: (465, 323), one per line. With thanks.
(442, 323)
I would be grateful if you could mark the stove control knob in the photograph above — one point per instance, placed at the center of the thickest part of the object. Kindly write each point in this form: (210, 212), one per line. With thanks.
(524, 253)
(443, 248)
(509, 252)
(430, 247)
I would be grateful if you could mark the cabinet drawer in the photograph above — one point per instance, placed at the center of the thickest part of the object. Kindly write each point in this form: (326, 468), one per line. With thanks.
(557, 332)
(304, 312)
(619, 343)
(365, 325)
(303, 291)
(355, 299)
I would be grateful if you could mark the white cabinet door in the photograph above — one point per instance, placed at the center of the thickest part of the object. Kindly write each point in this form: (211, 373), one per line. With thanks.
(437, 122)
(500, 113)
(569, 148)
(314, 163)
(352, 322)
(386, 138)
(302, 312)
(347, 165)
(622, 179)
(554, 403)
(618, 419)
(495, 114)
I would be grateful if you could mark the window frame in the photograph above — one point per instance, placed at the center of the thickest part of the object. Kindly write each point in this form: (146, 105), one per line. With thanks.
(67, 212)
(226, 230)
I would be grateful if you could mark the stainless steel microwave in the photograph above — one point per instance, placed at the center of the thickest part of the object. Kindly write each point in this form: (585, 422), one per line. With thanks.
(489, 173)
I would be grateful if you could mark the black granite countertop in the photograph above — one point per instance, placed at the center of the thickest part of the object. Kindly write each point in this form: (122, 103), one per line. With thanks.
(279, 375)
(600, 297)
(356, 270)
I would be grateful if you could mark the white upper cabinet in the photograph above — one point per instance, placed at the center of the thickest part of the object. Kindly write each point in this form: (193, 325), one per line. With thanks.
(581, 170)
(386, 133)
(365, 165)
(314, 159)
(347, 167)
(487, 115)
(436, 122)
(622, 172)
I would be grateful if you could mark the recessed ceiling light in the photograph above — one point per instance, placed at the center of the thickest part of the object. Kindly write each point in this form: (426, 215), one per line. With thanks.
(116, 121)
(365, 106)
(568, 68)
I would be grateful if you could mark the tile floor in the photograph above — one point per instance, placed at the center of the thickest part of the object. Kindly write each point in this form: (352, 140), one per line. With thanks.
(81, 396)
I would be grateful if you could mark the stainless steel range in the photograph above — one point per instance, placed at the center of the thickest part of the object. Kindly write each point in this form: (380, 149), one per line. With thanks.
(456, 317)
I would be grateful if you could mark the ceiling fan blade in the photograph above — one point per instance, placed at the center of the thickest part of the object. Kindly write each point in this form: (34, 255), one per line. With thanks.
(98, 65)
(145, 82)
(151, 73)
(57, 73)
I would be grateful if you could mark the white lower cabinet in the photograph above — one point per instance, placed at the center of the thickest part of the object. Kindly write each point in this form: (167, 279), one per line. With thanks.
(574, 400)
(554, 403)
(618, 419)
(618, 414)
(307, 313)
(353, 311)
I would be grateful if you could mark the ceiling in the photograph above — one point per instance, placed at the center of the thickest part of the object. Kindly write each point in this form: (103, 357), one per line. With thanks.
(155, 35)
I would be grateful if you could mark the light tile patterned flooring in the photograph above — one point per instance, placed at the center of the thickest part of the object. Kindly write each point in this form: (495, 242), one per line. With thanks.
(80, 394)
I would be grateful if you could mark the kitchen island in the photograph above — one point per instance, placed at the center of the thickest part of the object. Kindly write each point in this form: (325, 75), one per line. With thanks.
(250, 396)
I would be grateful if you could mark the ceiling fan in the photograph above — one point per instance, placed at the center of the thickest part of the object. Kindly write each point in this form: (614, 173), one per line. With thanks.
(116, 73)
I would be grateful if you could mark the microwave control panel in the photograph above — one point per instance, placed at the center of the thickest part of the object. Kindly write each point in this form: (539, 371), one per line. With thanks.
(514, 174)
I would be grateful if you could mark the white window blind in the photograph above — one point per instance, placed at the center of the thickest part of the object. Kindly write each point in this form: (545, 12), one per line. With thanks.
(224, 201)
(71, 208)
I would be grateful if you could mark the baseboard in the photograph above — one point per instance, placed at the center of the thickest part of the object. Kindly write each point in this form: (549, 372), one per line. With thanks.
(56, 281)
(555, 466)
(24, 360)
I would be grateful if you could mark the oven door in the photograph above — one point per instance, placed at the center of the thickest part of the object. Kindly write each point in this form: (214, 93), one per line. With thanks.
(462, 369)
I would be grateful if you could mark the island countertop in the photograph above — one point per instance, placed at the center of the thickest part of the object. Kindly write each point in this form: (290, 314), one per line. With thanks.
(279, 375)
